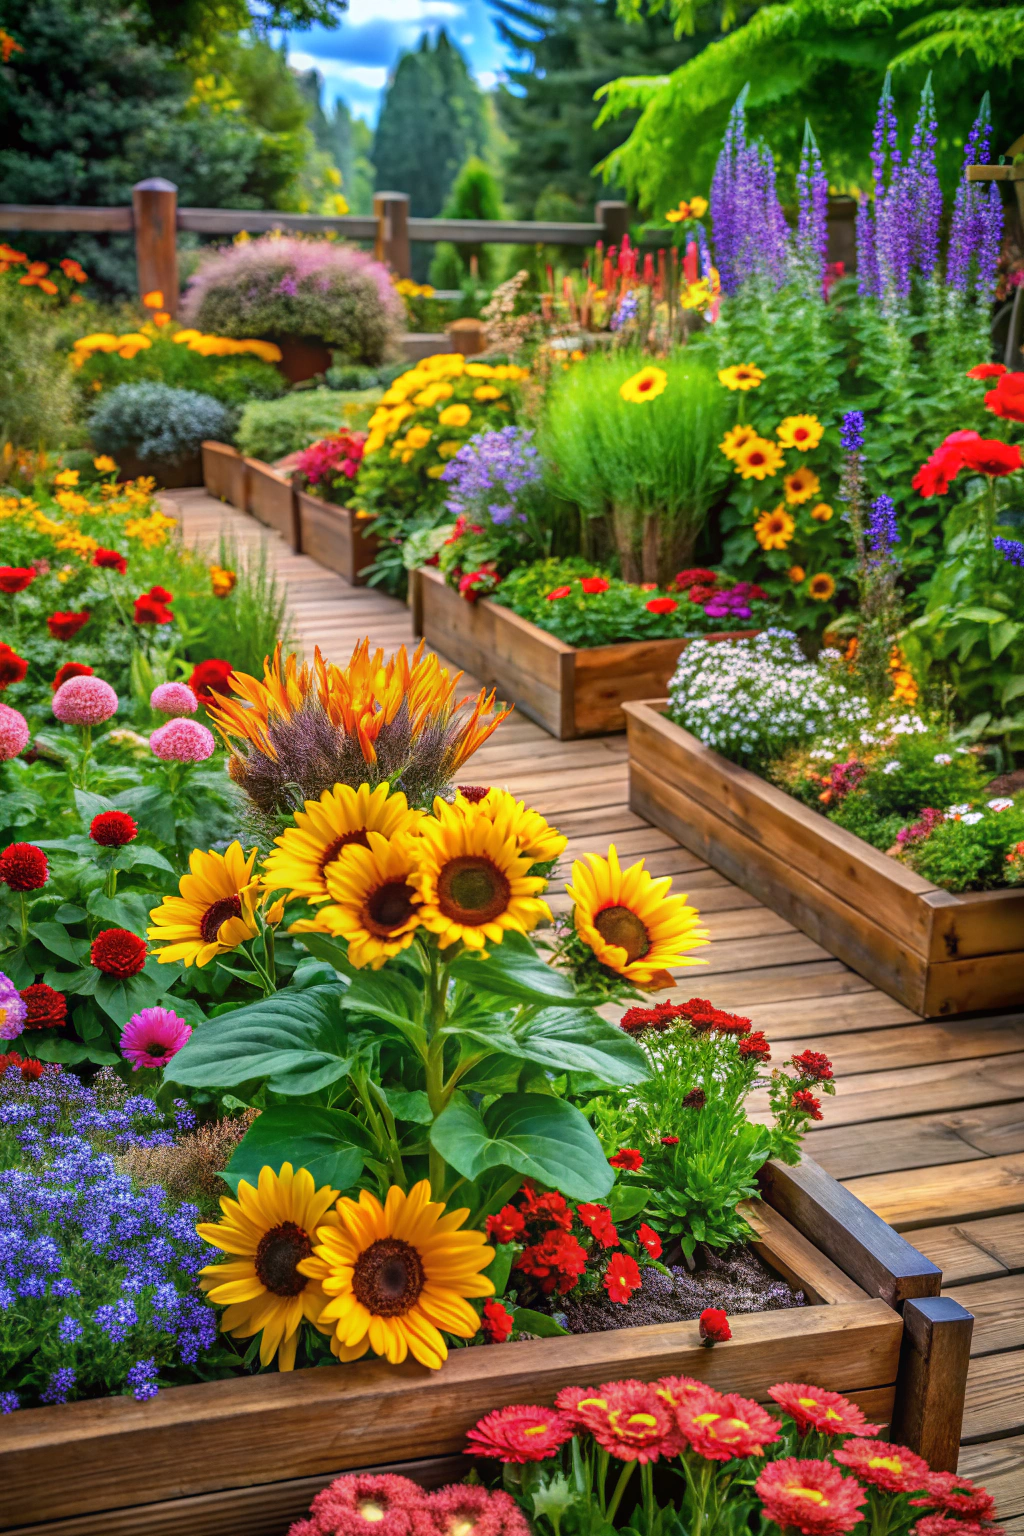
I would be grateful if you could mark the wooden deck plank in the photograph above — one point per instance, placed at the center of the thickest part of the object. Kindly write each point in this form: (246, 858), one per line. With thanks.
(957, 1136)
(942, 1194)
(998, 1307)
(999, 1465)
(994, 1405)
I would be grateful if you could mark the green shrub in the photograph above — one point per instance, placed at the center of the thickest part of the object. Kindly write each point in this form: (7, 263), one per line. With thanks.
(970, 853)
(37, 395)
(154, 421)
(271, 429)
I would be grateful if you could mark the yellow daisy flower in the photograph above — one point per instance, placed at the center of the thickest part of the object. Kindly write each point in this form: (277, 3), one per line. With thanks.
(802, 432)
(535, 838)
(821, 587)
(801, 485)
(773, 530)
(737, 438)
(758, 459)
(822, 513)
(742, 376)
(373, 901)
(631, 922)
(269, 1230)
(455, 415)
(645, 385)
(397, 1274)
(472, 879)
(214, 911)
(325, 828)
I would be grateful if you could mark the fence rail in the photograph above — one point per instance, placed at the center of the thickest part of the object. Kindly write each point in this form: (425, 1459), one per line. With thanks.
(155, 219)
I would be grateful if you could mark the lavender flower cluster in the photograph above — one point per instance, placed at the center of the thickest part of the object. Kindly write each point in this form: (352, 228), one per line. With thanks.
(976, 230)
(812, 211)
(751, 237)
(97, 1279)
(882, 532)
(489, 474)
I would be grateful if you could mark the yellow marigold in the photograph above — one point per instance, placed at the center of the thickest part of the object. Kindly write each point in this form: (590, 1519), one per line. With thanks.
(773, 530)
(66, 477)
(380, 418)
(98, 341)
(186, 335)
(737, 438)
(418, 437)
(430, 396)
(374, 442)
(269, 351)
(455, 416)
(802, 432)
(758, 459)
(821, 587)
(104, 464)
(445, 365)
(486, 392)
(78, 543)
(150, 531)
(131, 343)
(222, 581)
(822, 513)
(72, 502)
(741, 376)
(801, 485)
(480, 371)
(645, 385)
(154, 299)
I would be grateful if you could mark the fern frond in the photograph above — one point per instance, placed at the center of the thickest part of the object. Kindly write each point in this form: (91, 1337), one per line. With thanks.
(995, 38)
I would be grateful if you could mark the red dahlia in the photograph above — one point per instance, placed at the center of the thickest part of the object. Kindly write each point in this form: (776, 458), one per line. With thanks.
(811, 1497)
(469, 1510)
(756, 1046)
(70, 669)
(520, 1433)
(549, 1209)
(892, 1468)
(112, 829)
(65, 626)
(116, 952)
(628, 1158)
(714, 1326)
(23, 867)
(210, 678)
(556, 1263)
(991, 456)
(110, 560)
(695, 1099)
(698, 574)
(13, 668)
(46, 1008)
(815, 1065)
(15, 578)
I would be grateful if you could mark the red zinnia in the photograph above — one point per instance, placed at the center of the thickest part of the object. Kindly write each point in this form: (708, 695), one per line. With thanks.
(713, 1326)
(990, 456)
(592, 584)
(46, 1008)
(556, 1262)
(70, 669)
(506, 1226)
(15, 578)
(957, 1496)
(519, 1434)
(726, 1427)
(558, 592)
(628, 1158)
(496, 1323)
(891, 1467)
(629, 1419)
(65, 626)
(649, 1239)
(811, 1497)
(31, 1071)
(757, 1046)
(210, 678)
(815, 1065)
(116, 952)
(23, 867)
(697, 574)
(598, 1220)
(987, 370)
(150, 609)
(814, 1408)
(13, 668)
(622, 1278)
(661, 605)
(805, 1101)
(1007, 399)
(112, 829)
(110, 560)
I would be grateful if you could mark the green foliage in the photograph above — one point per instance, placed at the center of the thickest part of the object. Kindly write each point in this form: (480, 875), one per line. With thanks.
(474, 195)
(271, 429)
(231, 380)
(970, 855)
(37, 397)
(245, 626)
(153, 421)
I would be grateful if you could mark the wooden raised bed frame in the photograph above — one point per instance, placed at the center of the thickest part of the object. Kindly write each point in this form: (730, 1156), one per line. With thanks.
(336, 537)
(243, 1457)
(934, 951)
(225, 474)
(569, 692)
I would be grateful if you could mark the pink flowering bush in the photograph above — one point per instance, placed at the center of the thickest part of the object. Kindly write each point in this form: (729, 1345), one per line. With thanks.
(274, 287)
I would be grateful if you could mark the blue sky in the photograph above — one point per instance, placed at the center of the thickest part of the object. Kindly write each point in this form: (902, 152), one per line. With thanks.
(356, 58)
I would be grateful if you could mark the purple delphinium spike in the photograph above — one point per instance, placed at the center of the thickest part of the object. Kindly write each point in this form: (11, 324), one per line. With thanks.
(972, 232)
(812, 209)
(724, 196)
(867, 256)
(925, 193)
(990, 240)
(851, 433)
(751, 236)
(882, 532)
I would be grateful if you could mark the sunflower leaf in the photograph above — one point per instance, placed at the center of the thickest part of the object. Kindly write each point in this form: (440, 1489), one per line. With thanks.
(560, 1040)
(386, 995)
(295, 1042)
(534, 1134)
(513, 968)
(305, 1136)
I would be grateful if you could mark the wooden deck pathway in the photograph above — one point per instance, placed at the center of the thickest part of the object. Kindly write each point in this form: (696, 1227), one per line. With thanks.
(927, 1125)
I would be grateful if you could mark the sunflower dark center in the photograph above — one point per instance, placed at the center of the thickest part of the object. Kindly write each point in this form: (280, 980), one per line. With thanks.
(472, 890)
(213, 917)
(388, 1277)
(620, 926)
(388, 907)
(280, 1251)
(347, 838)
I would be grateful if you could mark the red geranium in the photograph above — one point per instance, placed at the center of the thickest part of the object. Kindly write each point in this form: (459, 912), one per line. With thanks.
(65, 626)
(806, 1103)
(713, 1326)
(815, 1408)
(545, 1210)
(496, 1323)
(519, 1434)
(987, 370)
(622, 1278)
(811, 1497)
(649, 1239)
(110, 560)
(46, 1008)
(15, 578)
(990, 456)
(704, 1015)
(1007, 399)
(697, 575)
(70, 669)
(506, 1226)
(702, 594)
(727, 1427)
(556, 1262)
(117, 952)
(558, 592)
(661, 1016)
(592, 584)
(112, 829)
(661, 605)
(756, 1046)
(815, 1065)
(893, 1468)
(13, 668)
(628, 1158)
(23, 867)
(210, 678)
(152, 609)
(670, 1141)
(598, 1221)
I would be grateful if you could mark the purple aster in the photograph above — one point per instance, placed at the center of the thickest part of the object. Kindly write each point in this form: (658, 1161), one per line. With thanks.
(149, 1039)
(69, 1330)
(59, 1385)
(8, 1402)
(141, 1378)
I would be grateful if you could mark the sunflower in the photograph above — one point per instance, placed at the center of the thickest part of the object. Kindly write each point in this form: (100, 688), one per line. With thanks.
(372, 900)
(801, 485)
(741, 376)
(822, 513)
(773, 530)
(271, 1229)
(535, 838)
(821, 587)
(758, 458)
(342, 816)
(631, 922)
(472, 879)
(802, 432)
(737, 438)
(214, 911)
(396, 1274)
(645, 385)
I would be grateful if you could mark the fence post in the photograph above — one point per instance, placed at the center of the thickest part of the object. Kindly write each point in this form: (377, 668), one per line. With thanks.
(615, 218)
(391, 210)
(155, 213)
(932, 1379)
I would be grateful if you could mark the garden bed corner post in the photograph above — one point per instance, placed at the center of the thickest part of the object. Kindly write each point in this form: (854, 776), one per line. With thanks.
(155, 217)
(932, 1381)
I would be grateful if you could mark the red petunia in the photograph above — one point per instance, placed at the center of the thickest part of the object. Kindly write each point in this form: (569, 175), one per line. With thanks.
(661, 605)
(556, 1262)
(209, 679)
(991, 456)
(519, 1434)
(117, 952)
(152, 610)
(756, 1046)
(649, 1239)
(13, 668)
(496, 1323)
(558, 592)
(951, 1494)
(110, 560)
(46, 1007)
(713, 1326)
(987, 370)
(15, 578)
(628, 1158)
(506, 1226)
(814, 1408)
(815, 1065)
(726, 1427)
(1007, 399)
(810, 1497)
(598, 1221)
(622, 1278)
(70, 669)
(65, 626)
(893, 1468)
(113, 829)
(594, 584)
(23, 867)
(630, 1420)
(804, 1101)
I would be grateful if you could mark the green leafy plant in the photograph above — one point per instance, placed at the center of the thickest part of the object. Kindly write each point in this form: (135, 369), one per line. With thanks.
(272, 429)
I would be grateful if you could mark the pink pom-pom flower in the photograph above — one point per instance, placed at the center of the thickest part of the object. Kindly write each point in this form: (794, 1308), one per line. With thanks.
(182, 741)
(152, 1036)
(174, 699)
(84, 701)
(14, 732)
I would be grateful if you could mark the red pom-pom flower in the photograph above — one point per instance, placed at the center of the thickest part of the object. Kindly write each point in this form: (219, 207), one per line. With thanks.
(116, 952)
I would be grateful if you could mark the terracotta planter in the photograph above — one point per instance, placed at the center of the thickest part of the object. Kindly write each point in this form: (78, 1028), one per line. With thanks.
(302, 357)
(569, 692)
(241, 1458)
(225, 474)
(271, 500)
(169, 474)
(937, 952)
(336, 537)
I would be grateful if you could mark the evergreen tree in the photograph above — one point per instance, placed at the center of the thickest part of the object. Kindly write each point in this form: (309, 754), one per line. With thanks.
(345, 139)
(475, 195)
(431, 122)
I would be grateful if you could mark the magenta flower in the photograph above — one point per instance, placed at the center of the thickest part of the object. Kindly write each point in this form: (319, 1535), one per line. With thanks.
(174, 699)
(84, 701)
(152, 1037)
(182, 741)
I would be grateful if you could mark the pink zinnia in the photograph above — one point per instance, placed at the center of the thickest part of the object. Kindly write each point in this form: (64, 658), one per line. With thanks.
(182, 741)
(84, 701)
(152, 1037)
(174, 699)
(14, 732)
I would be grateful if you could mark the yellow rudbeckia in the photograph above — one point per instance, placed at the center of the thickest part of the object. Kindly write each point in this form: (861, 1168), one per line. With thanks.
(773, 530)
(742, 376)
(801, 432)
(645, 385)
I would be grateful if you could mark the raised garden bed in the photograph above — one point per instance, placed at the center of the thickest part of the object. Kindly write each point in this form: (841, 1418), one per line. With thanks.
(225, 474)
(569, 692)
(937, 952)
(242, 1458)
(335, 537)
(271, 500)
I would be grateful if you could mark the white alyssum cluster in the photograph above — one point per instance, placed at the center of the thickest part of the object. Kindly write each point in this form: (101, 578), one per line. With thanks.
(752, 699)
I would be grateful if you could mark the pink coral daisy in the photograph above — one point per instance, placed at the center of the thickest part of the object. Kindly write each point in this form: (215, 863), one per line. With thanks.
(174, 699)
(182, 741)
(84, 701)
(152, 1037)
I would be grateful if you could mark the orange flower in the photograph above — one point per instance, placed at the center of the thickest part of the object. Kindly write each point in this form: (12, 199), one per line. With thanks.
(796, 573)
(154, 299)
(822, 513)
(801, 485)
(7, 47)
(822, 587)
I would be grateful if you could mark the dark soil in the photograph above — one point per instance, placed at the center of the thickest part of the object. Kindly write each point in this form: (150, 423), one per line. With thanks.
(1006, 784)
(735, 1280)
